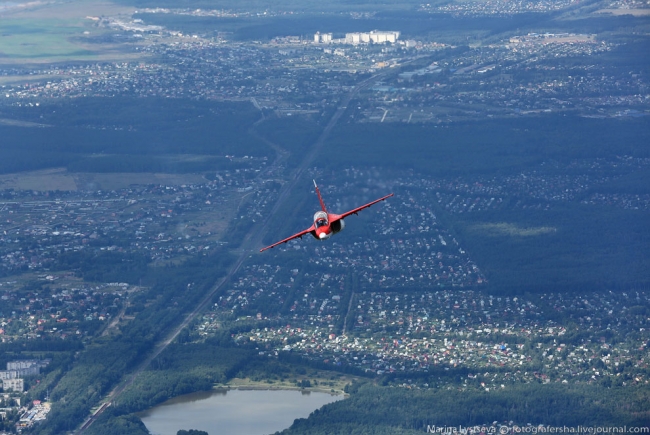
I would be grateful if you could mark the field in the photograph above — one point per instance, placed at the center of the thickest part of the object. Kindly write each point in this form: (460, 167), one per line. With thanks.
(60, 179)
(508, 229)
(634, 12)
(22, 79)
(48, 179)
(326, 382)
(34, 39)
(43, 33)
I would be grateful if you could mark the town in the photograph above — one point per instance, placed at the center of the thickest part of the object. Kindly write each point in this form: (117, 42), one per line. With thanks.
(504, 261)
(12, 381)
(496, 340)
(423, 80)
(350, 302)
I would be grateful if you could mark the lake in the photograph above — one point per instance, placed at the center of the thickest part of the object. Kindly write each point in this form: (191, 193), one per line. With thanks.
(230, 412)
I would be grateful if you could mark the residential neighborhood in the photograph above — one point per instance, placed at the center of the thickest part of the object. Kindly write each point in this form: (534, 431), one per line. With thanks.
(495, 340)
(147, 161)
(426, 81)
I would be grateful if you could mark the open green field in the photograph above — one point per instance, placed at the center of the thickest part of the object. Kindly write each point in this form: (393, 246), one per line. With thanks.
(34, 32)
(61, 179)
(31, 38)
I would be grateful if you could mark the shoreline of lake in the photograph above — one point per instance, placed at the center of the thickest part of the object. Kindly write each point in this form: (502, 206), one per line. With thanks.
(261, 385)
(248, 409)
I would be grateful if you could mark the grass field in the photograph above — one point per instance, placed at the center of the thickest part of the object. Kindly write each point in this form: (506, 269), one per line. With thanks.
(110, 181)
(326, 382)
(60, 179)
(633, 12)
(33, 32)
(27, 38)
(509, 229)
(45, 180)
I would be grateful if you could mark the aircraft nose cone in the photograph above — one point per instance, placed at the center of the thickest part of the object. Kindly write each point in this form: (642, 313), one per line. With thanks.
(322, 236)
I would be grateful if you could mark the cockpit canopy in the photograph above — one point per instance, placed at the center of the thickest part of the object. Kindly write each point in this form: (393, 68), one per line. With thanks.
(320, 219)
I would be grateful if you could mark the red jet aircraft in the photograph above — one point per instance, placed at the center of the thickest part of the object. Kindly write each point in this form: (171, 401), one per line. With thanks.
(325, 223)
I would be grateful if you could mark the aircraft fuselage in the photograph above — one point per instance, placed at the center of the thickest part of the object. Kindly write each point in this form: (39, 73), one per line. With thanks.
(326, 224)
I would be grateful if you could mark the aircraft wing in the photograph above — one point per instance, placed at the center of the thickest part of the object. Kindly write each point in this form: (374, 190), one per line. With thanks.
(358, 209)
(295, 236)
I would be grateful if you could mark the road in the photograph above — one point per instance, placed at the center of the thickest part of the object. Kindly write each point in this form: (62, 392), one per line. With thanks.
(250, 246)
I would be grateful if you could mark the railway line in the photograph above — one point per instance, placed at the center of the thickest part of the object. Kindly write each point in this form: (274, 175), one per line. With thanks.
(249, 247)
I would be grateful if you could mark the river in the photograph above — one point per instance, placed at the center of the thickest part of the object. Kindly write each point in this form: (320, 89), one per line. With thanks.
(234, 412)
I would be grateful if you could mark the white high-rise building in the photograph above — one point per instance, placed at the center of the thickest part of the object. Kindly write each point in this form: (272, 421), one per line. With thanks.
(17, 385)
(379, 37)
(322, 38)
(376, 37)
(353, 38)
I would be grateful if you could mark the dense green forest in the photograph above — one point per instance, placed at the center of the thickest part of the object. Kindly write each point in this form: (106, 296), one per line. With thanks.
(183, 369)
(130, 135)
(294, 135)
(143, 135)
(485, 147)
(587, 250)
(259, 5)
(374, 409)
(191, 432)
(109, 424)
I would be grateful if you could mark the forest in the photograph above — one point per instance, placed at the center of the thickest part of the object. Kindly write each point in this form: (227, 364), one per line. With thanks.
(373, 409)
(130, 135)
(587, 252)
(504, 145)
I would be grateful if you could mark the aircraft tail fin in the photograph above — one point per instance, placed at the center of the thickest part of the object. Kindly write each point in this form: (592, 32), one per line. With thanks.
(320, 198)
